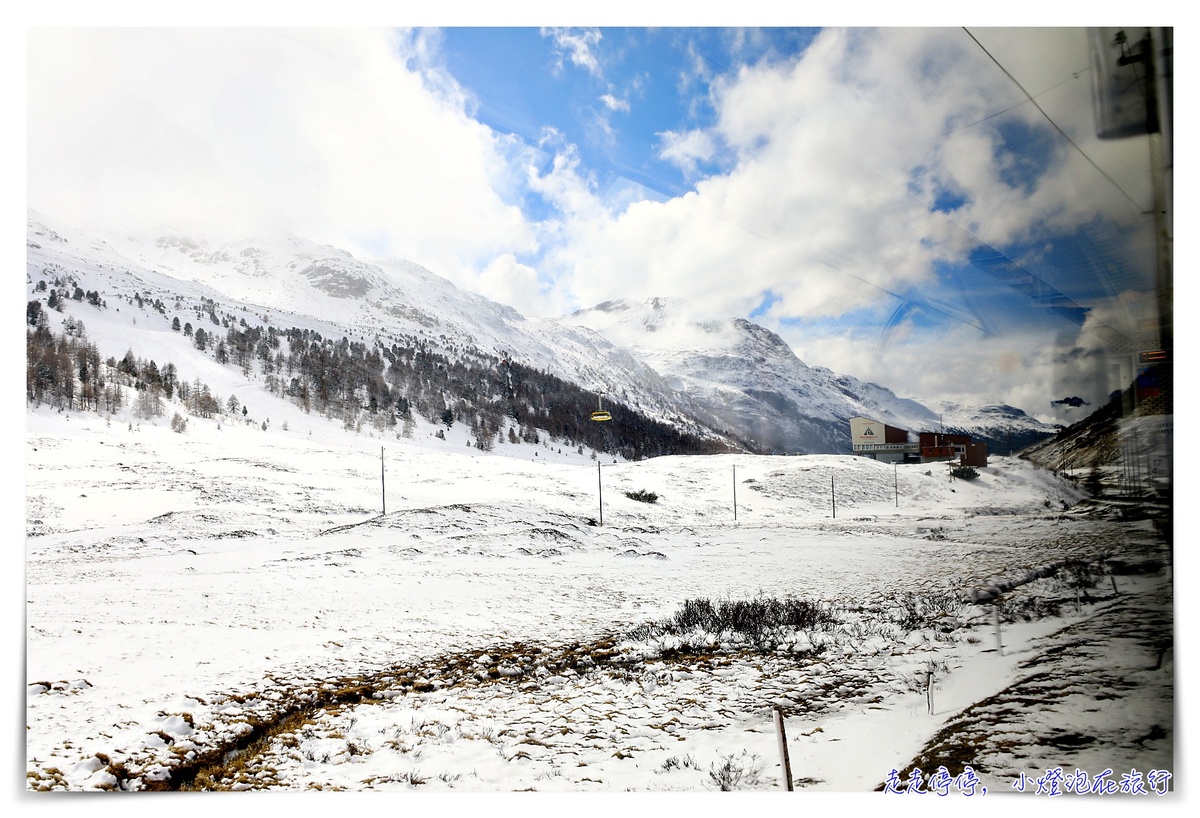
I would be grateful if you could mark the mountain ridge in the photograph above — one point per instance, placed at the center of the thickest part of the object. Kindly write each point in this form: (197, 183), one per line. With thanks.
(727, 380)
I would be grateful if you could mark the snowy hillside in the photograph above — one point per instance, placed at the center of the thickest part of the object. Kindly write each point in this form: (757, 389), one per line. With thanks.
(291, 283)
(507, 623)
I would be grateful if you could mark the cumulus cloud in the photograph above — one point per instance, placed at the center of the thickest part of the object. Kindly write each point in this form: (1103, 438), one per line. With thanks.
(834, 167)
(842, 163)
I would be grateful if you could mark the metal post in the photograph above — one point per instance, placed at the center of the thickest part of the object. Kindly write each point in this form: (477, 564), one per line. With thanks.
(382, 481)
(783, 749)
(735, 492)
(600, 485)
(896, 482)
(832, 497)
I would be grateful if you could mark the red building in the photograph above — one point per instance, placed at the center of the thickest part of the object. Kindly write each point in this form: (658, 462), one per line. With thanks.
(941, 446)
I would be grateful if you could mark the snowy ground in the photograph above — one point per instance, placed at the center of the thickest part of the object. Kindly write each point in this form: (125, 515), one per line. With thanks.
(185, 592)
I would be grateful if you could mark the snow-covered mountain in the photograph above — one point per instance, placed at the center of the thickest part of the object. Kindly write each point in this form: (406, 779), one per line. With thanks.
(722, 379)
(751, 379)
(292, 282)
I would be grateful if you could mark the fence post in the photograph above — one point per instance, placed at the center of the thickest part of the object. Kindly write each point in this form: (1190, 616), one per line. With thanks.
(783, 749)
(929, 688)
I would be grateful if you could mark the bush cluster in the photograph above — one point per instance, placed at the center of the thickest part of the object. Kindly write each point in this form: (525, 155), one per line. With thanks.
(642, 496)
(760, 621)
(935, 609)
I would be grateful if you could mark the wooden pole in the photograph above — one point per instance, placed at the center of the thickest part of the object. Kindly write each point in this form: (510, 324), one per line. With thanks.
(735, 492)
(382, 481)
(833, 496)
(896, 482)
(996, 616)
(600, 486)
(785, 762)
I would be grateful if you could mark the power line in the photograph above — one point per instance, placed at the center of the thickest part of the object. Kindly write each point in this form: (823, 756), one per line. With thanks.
(1074, 76)
(1137, 208)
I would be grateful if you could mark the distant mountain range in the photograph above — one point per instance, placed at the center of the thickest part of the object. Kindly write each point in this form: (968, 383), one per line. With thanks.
(723, 379)
(749, 377)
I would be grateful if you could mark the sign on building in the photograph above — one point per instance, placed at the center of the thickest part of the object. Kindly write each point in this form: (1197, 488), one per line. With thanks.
(864, 432)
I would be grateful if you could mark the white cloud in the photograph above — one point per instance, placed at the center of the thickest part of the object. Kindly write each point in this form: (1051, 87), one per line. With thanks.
(324, 132)
(507, 281)
(613, 103)
(567, 185)
(836, 159)
(686, 149)
(578, 46)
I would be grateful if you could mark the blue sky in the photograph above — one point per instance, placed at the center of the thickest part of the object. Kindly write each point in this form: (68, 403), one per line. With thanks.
(618, 95)
(614, 93)
(881, 197)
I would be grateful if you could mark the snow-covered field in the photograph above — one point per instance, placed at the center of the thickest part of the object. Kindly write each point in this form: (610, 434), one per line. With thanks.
(188, 593)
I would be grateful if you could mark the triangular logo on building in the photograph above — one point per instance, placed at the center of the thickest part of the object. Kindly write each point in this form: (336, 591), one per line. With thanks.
(868, 432)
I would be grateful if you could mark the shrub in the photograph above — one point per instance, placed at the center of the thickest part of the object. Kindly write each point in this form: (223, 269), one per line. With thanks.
(642, 496)
(964, 472)
(914, 611)
(761, 621)
(731, 773)
(178, 423)
(1079, 575)
(674, 762)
